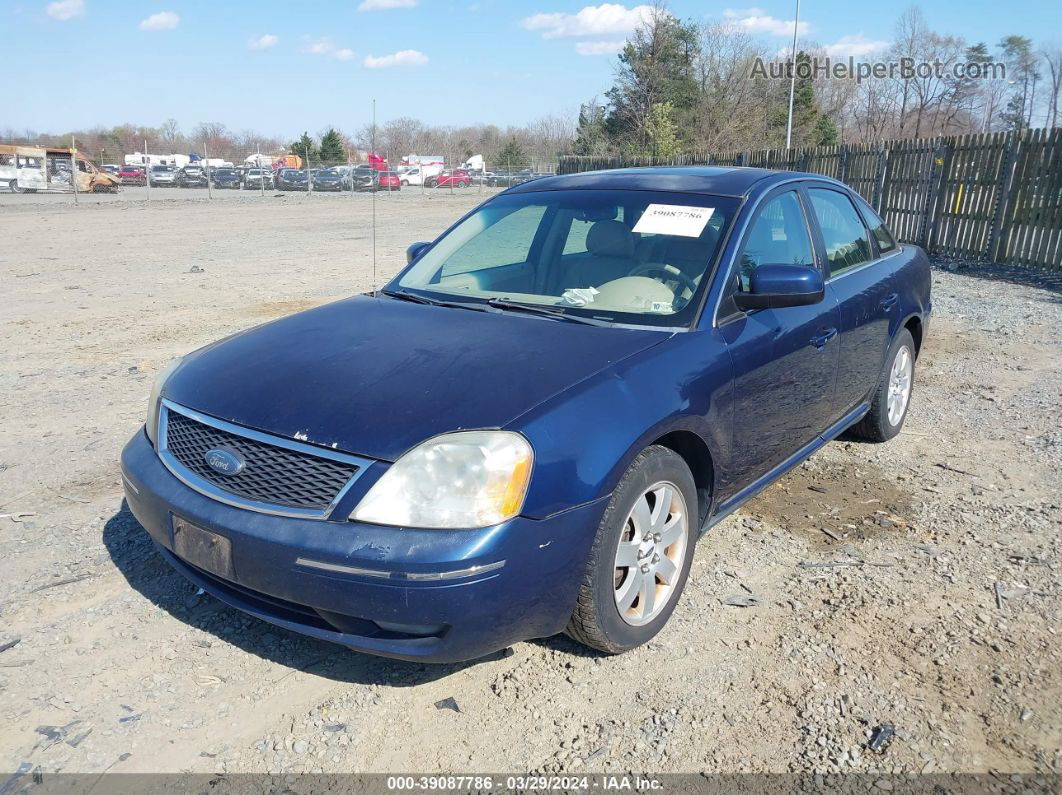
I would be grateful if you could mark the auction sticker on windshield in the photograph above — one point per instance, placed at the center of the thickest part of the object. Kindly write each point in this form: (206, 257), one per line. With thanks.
(673, 219)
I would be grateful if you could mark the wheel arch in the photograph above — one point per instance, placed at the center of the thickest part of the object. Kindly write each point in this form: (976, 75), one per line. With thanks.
(695, 451)
(914, 325)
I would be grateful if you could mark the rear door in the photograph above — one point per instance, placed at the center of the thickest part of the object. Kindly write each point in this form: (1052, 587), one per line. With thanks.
(865, 289)
(784, 360)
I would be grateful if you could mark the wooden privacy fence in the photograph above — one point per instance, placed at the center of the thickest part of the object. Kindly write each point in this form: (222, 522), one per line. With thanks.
(995, 197)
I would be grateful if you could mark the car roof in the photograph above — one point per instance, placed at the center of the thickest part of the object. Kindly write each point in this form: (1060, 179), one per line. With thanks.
(715, 180)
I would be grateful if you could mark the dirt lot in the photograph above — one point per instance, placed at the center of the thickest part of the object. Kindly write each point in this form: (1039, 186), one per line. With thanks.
(940, 614)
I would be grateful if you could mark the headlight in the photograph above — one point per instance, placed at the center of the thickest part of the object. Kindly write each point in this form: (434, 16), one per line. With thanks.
(152, 424)
(466, 479)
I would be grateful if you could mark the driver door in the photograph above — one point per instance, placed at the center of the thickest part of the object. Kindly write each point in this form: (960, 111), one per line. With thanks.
(784, 359)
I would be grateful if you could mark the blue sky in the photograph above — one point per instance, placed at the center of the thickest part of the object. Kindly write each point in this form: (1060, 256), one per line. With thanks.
(280, 68)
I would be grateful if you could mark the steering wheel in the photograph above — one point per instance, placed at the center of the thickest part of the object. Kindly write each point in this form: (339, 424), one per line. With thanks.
(673, 275)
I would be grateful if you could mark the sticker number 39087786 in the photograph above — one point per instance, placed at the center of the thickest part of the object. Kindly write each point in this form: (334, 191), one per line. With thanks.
(673, 219)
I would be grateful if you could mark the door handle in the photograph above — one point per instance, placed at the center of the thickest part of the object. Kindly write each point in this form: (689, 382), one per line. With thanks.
(821, 340)
(889, 301)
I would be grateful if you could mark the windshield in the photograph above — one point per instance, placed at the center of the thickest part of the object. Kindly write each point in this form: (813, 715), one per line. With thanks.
(634, 257)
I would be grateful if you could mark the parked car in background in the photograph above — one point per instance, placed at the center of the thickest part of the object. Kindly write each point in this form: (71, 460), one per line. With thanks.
(191, 177)
(364, 177)
(504, 179)
(388, 180)
(258, 178)
(162, 177)
(411, 175)
(131, 175)
(225, 178)
(457, 178)
(290, 179)
(583, 375)
(111, 168)
(330, 179)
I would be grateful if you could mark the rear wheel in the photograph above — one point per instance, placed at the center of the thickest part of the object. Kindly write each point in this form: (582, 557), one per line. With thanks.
(641, 555)
(14, 186)
(888, 408)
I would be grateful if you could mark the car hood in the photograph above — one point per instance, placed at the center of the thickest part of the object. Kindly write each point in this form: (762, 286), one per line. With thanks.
(376, 376)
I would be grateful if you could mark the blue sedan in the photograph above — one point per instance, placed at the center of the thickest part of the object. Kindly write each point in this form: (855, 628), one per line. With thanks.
(529, 428)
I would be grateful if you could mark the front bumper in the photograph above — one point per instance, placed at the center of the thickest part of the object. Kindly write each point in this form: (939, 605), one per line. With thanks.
(335, 579)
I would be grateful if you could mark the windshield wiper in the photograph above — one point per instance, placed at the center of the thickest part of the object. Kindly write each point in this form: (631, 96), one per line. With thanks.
(558, 314)
(416, 298)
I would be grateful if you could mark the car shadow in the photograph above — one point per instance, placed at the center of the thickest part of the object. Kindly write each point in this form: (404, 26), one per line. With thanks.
(147, 572)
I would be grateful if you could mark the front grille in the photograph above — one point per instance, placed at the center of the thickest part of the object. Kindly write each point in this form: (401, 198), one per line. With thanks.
(272, 475)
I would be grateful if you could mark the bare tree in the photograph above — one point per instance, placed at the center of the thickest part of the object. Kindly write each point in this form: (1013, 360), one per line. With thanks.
(1052, 57)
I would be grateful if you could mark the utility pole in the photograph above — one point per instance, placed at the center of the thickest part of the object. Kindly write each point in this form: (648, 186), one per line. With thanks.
(792, 79)
(206, 163)
(73, 166)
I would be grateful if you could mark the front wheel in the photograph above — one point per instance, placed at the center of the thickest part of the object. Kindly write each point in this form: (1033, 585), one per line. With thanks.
(641, 555)
(888, 407)
(13, 186)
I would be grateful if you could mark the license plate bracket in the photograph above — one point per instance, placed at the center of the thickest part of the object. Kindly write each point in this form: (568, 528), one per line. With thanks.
(205, 550)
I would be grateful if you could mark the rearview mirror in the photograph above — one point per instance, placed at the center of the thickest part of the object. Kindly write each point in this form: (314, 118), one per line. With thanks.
(414, 250)
(776, 286)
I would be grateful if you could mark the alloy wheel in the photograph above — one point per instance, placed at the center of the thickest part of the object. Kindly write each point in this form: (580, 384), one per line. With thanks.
(651, 552)
(899, 385)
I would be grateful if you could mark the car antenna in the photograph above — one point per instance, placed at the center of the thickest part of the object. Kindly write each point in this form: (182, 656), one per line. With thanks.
(372, 177)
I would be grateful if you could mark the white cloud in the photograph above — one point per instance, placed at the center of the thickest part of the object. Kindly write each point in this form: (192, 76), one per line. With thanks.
(607, 18)
(65, 9)
(264, 42)
(384, 5)
(857, 46)
(599, 47)
(317, 46)
(755, 21)
(164, 20)
(326, 47)
(400, 58)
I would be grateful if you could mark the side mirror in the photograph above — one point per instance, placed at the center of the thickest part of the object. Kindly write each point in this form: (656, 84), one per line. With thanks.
(414, 250)
(776, 286)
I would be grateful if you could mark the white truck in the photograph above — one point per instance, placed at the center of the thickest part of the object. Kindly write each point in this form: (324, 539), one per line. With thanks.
(415, 169)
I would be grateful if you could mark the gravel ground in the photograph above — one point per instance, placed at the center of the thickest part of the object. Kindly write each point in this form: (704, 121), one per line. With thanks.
(937, 614)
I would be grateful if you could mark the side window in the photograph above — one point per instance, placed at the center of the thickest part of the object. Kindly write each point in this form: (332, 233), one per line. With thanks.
(576, 241)
(778, 236)
(846, 239)
(886, 242)
(506, 242)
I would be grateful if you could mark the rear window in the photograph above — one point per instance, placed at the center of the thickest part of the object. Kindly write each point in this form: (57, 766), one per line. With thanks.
(886, 242)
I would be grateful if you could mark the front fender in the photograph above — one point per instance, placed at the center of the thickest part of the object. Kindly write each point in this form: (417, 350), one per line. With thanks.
(586, 437)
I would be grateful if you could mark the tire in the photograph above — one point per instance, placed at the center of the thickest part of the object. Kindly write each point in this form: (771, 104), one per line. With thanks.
(13, 186)
(405, 183)
(884, 421)
(597, 620)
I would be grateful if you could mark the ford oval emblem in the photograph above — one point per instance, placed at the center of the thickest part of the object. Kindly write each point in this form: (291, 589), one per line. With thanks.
(225, 460)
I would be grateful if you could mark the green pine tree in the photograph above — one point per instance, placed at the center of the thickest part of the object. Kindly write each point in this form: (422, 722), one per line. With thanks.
(513, 156)
(663, 139)
(306, 149)
(332, 150)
